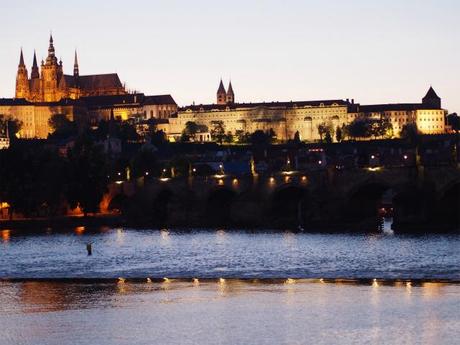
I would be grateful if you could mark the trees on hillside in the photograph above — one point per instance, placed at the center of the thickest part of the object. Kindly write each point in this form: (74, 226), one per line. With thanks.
(366, 128)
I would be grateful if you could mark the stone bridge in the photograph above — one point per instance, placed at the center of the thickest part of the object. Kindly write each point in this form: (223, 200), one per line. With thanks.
(322, 198)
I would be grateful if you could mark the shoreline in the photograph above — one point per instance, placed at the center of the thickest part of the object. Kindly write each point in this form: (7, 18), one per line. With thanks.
(108, 220)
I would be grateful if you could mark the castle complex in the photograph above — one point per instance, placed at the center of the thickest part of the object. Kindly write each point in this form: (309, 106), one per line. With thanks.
(93, 98)
(50, 84)
(48, 90)
(287, 118)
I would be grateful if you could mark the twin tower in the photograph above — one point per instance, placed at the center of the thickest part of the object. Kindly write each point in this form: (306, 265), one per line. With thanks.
(225, 97)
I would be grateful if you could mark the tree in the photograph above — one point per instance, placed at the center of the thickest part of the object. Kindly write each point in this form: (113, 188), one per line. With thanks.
(87, 175)
(260, 139)
(62, 126)
(190, 130)
(359, 128)
(218, 131)
(158, 138)
(324, 128)
(381, 128)
(242, 136)
(409, 132)
(13, 126)
(453, 120)
(228, 138)
(145, 161)
(338, 134)
(297, 137)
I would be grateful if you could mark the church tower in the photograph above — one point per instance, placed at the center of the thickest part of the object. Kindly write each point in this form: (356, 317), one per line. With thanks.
(230, 94)
(51, 71)
(221, 94)
(431, 99)
(22, 79)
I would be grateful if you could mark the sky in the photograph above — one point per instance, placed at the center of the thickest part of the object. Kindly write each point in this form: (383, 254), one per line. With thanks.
(372, 51)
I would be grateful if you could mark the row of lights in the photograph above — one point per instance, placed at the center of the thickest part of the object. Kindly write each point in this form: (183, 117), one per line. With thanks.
(288, 281)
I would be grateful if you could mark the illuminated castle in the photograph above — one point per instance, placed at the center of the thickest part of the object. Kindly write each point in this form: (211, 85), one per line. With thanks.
(50, 84)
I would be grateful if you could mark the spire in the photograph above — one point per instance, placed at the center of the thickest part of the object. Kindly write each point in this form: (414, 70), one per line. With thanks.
(221, 87)
(75, 65)
(221, 94)
(230, 95)
(35, 73)
(21, 60)
(51, 59)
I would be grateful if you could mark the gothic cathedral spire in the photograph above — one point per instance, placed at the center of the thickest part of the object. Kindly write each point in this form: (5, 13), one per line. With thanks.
(34, 73)
(22, 79)
(75, 66)
(21, 60)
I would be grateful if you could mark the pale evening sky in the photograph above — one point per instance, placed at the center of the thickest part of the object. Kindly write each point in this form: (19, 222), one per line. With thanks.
(372, 51)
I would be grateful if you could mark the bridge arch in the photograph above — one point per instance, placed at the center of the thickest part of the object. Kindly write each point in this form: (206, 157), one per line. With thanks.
(449, 205)
(219, 203)
(289, 205)
(160, 206)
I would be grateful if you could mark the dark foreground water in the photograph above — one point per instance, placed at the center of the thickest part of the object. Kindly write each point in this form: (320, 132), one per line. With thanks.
(228, 312)
(405, 289)
(215, 254)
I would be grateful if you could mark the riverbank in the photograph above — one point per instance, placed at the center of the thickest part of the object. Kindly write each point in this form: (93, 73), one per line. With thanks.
(111, 220)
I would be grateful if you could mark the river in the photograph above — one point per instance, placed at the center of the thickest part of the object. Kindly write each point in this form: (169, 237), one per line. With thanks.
(250, 288)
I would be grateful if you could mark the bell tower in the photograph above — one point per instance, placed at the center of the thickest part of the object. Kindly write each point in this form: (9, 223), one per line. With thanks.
(221, 94)
(230, 94)
(22, 79)
(50, 75)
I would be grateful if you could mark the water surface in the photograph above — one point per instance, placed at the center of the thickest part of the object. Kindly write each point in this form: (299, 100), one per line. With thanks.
(237, 254)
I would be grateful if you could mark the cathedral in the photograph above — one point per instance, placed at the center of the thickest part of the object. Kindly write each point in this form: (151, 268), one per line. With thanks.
(50, 84)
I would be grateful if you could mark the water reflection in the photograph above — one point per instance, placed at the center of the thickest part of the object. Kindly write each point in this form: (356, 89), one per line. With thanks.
(237, 311)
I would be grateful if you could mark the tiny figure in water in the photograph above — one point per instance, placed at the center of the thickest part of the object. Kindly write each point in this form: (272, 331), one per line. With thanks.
(89, 248)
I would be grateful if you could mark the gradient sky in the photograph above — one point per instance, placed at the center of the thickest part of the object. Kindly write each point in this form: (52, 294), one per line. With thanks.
(372, 51)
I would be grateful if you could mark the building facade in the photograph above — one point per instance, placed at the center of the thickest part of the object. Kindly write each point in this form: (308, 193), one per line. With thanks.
(287, 118)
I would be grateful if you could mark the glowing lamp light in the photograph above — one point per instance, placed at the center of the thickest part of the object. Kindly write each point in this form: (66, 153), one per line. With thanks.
(164, 179)
(286, 179)
(121, 280)
(290, 281)
(166, 280)
(374, 168)
(272, 179)
(164, 170)
(221, 281)
(146, 173)
(235, 181)
(196, 281)
(149, 280)
(221, 182)
(79, 230)
(194, 170)
(304, 178)
(372, 157)
(320, 162)
(375, 283)
(6, 235)
(405, 157)
(321, 281)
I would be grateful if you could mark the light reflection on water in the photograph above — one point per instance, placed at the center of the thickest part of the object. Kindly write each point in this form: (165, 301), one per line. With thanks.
(228, 254)
(229, 311)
